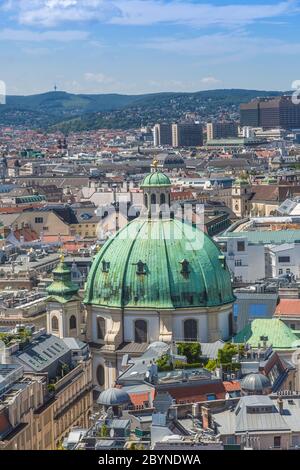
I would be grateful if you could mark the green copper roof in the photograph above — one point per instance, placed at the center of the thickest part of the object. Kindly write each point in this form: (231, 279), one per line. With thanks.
(62, 288)
(241, 182)
(161, 264)
(280, 336)
(269, 180)
(157, 178)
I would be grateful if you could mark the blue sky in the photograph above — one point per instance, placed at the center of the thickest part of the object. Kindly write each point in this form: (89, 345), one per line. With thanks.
(141, 46)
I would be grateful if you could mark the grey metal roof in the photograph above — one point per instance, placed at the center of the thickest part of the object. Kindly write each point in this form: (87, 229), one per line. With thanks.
(258, 421)
(113, 397)
(210, 350)
(255, 382)
(43, 352)
(118, 423)
(74, 343)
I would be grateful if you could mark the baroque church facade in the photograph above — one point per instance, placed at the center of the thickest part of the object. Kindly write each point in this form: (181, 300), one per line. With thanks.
(159, 278)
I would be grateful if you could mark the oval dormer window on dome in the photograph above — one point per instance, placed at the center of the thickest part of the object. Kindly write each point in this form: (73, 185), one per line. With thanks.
(185, 267)
(141, 268)
(105, 266)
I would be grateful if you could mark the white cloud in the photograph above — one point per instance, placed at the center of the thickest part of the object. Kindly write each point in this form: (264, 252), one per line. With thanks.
(99, 78)
(35, 36)
(223, 46)
(210, 81)
(145, 12)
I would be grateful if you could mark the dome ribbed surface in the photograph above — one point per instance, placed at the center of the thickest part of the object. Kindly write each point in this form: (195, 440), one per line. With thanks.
(113, 397)
(157, 178)
(255, 382)
(160, 264)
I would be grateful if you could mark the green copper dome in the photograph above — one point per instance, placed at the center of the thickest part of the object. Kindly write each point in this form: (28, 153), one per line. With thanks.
(159, 264)
(62, 288)
(157, 178)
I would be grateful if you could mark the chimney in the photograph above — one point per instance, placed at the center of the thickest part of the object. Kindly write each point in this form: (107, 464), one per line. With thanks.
(280, 405)
(206, 418)
(195, 410)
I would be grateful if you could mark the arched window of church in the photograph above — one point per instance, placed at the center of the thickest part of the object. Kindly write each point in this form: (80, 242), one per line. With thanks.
(153, 199)
(100, 328)
(54, 324)
(73, 323)
(162, 199)
(100, 375)
(146, 200)
(140, 331)
(190, 330)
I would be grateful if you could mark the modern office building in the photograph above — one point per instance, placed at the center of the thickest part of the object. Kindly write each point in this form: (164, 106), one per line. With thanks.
(187, 135)
(221, 130)
(269, 113)
(162, 134)
(249, 114)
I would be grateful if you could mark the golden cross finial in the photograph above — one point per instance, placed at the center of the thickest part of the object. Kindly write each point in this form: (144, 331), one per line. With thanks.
(62, 255)
(155, 164)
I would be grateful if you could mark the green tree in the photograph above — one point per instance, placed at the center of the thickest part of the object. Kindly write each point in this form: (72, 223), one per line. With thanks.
(211, 365)
(104, 431)
(192, 352)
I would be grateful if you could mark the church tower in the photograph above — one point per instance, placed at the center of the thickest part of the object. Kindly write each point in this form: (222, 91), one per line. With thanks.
(157, 193)
(241, 192)
(63, 304)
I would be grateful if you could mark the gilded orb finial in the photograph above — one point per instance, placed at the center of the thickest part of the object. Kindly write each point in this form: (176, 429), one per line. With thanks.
(155, 164)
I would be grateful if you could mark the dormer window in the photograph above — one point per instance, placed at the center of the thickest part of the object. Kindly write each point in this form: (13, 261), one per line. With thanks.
(105, 266)
(222, 260)
(141, 268)
(185, 267)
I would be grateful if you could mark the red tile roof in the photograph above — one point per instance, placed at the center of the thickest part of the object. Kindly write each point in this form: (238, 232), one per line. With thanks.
(288, 307)
(138, 399)
(191, 394)
(28, 234)
(232, 386)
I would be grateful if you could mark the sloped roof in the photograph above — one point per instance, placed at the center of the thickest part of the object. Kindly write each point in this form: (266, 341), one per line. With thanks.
(278, 333)
(288, 307)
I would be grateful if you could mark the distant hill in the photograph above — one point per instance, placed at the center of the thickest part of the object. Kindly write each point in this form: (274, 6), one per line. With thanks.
(70, 112)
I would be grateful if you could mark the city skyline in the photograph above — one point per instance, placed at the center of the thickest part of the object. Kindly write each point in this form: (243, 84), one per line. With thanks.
(134, 46)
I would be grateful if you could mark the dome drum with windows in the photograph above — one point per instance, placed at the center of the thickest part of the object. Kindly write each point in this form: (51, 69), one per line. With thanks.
(160, 263)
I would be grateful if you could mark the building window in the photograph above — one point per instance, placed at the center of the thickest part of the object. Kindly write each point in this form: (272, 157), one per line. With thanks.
(146, 200)
(54, 324)
(211, 396)
(153, 199)
(73, 323)
(288, 271)
(240, 246)
(277, 441)
(100, 375)
(223, 247)
(280, 271)
(284, 259)
(100, 328)
(140, 331)
(39, 220)
(105, 266)
(190, 330)
(293, 327)
(162, 199)
(238, 262)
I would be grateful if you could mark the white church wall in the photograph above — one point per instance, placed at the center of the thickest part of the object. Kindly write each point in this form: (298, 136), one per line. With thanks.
(153, 326)
(178, 326)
